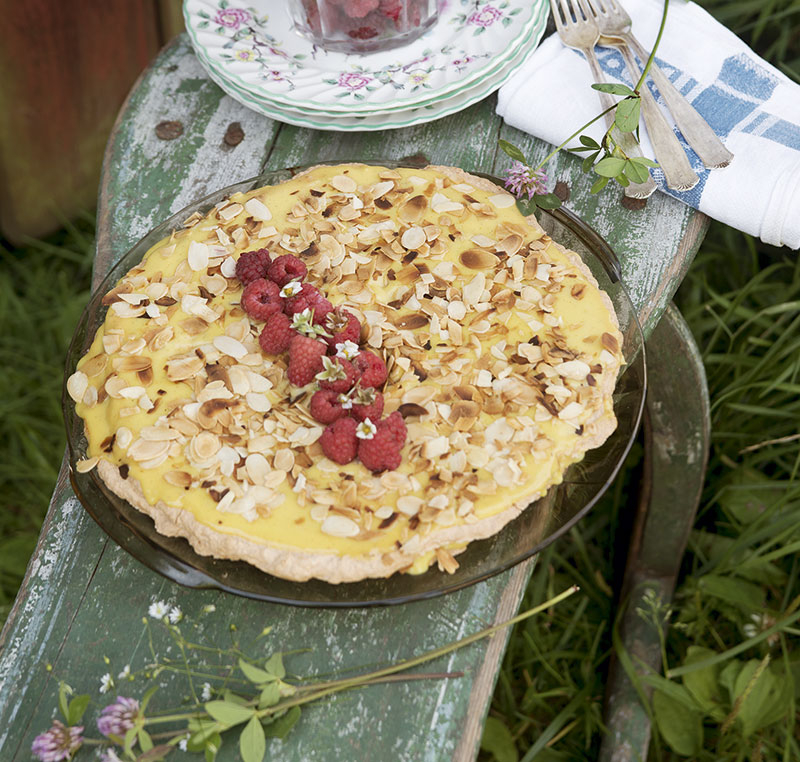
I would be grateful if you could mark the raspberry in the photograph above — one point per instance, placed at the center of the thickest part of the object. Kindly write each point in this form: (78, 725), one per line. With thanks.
(261, 298)
(395, 424)
(367, 403)
(253, 265)
(370, 368)
(339, 441)
(357, 9)
(309, 298)
(380, 453)
(305, 359)
(277, 334)
(392, 9)
(326, 407)
(343, 326)
(338, 376)
(363, 33)
(285, 268)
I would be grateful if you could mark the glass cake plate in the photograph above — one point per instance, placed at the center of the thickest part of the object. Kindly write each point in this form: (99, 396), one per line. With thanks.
(544, 521)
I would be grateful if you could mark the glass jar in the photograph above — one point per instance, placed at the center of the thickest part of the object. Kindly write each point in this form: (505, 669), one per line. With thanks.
(363, 26)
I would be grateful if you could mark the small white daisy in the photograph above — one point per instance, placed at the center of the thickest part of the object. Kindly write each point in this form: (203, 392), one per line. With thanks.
(175, 615)
(366, 429)
(291, 289)
(206, 694)
(347, 349)
(106, 682)
(126, 671)
(158, 609)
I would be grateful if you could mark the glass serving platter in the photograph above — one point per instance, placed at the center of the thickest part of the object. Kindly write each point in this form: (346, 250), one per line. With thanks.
(544, 521)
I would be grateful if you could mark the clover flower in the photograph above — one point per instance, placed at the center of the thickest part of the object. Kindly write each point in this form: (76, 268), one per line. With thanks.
(58, 743)
(522, 179)
(117, 718)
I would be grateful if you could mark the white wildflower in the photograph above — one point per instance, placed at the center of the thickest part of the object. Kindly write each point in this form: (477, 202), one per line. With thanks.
(206, 694)
(126, 671)
(366, 429)
(106, 682)
(347, 349)
(175, 615)
(158, 609)
(292, 288)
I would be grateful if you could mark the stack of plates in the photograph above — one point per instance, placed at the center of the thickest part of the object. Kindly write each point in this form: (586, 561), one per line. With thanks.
(256, 56)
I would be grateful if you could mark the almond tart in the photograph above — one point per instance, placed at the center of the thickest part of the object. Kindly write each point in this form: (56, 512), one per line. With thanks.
(502, 355)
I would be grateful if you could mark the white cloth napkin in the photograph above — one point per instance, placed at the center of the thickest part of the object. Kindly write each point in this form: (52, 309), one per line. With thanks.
(752, 106)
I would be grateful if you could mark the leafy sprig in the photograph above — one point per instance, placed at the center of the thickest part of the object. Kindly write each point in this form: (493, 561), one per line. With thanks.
(251, 696)
(607, 159)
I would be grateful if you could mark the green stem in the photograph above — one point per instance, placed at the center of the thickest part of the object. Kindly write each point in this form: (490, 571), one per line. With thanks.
(355, 682)
(574, 135)
(655, 47)
(315, 692)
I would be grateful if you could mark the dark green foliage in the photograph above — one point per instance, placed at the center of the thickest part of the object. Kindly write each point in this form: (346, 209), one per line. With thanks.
(43, 288)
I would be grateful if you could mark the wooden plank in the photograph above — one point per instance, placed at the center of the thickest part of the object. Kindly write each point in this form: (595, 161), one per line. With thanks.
(64, 72)
(72, 615)
(678, 430)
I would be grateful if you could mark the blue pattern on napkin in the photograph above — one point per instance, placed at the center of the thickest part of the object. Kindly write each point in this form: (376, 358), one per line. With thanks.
(731, 102)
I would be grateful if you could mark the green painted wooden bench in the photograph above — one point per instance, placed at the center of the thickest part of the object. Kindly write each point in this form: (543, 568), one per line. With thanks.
(83, 597)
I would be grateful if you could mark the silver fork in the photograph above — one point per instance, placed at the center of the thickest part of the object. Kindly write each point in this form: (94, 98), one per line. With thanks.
(577, 29)
(614, 22)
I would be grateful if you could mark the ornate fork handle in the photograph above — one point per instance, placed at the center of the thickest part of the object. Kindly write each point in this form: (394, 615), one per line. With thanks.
(697, 131)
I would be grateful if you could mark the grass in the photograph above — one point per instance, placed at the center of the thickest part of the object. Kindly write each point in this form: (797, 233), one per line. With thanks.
(737, 602)
(43, 288)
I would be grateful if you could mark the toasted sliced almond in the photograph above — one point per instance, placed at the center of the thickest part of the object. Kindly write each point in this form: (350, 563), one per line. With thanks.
(610, 343)
(413, 238)
(344, 183)
(85, 465)
(409, 505)
(478, 259)
(146, 449)
(178, 479)
(258, 210)
(413, 209)
(502, 200)
(183, 368)
(77, 384)
(339, 526)
(284, 459)
(230, 211)
(230, 346)
(576, 370)
(441, 204)
(197, 256)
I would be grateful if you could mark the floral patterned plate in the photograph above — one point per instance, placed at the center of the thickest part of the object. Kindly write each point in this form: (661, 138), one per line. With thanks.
(256, 48)
(387, 120)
